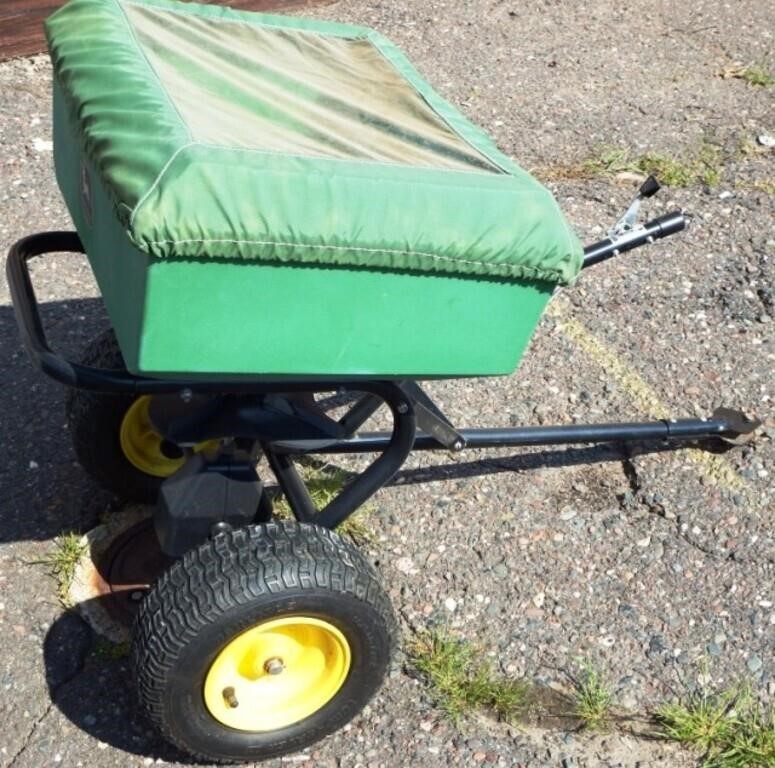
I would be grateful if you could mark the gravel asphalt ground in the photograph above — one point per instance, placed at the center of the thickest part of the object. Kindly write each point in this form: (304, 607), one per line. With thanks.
(644, 562)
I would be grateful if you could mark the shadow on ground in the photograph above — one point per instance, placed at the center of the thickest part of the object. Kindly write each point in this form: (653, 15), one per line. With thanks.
(44, 492)
(90, 683)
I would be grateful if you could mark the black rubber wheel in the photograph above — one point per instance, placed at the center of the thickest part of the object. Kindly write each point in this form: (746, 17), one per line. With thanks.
(95, 420)
(236, 589)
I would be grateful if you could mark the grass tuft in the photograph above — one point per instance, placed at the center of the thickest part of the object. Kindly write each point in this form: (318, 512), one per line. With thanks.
(729, 727)
(592, 699)
(462, 680)
(702, 721)
(324, 484)
(755, 74)
(62, 562)
(703, 167)
(762, 185)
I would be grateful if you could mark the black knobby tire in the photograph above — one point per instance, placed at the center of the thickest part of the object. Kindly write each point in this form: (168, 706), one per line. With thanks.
(94, 420)
(232, 583)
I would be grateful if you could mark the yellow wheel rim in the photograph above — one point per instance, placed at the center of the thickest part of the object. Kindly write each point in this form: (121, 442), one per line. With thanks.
(142, 444)
(277, 673)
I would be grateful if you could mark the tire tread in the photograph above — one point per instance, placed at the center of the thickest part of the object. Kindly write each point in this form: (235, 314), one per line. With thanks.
(239, 566)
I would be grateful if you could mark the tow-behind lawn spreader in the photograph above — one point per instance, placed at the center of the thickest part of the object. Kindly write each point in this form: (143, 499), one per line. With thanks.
(276, 210)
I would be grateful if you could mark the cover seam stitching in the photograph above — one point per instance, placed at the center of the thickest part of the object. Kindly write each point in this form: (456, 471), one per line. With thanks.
(158, 179)
(120, 5)
(522, 269)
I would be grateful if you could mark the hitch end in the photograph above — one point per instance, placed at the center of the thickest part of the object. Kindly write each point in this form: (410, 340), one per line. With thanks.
(739, 428)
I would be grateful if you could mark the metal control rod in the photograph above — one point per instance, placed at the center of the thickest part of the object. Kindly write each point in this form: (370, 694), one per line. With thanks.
(725, 423)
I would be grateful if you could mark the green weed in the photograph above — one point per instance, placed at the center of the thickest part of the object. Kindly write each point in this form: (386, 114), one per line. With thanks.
(702, 721)
(755, 74)
(729, 727)
(324, 484)
(593, 700)
(68, 549)
(462, 680)
(762, 185)
(704, 166)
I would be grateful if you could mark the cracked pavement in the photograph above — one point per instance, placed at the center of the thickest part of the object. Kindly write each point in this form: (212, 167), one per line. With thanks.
(644, 561)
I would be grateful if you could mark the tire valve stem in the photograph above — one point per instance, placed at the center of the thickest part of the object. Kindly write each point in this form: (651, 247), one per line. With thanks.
(230, 698)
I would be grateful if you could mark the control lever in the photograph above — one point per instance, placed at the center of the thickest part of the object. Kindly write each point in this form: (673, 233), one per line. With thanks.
(627, 223)
(627, 234)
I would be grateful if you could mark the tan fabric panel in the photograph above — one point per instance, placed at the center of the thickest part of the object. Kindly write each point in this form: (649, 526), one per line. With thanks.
(295, 92)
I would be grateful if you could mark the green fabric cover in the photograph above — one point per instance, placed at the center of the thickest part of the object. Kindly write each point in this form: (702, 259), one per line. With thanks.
(230, 317)
(223, 134)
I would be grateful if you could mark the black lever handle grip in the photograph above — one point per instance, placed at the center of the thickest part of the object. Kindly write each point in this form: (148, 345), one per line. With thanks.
(649, 188)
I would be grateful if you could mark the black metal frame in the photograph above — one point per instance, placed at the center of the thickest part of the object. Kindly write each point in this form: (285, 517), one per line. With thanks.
(409, 404)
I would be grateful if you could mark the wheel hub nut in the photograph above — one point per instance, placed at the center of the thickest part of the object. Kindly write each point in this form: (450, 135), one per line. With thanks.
(274, 666)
